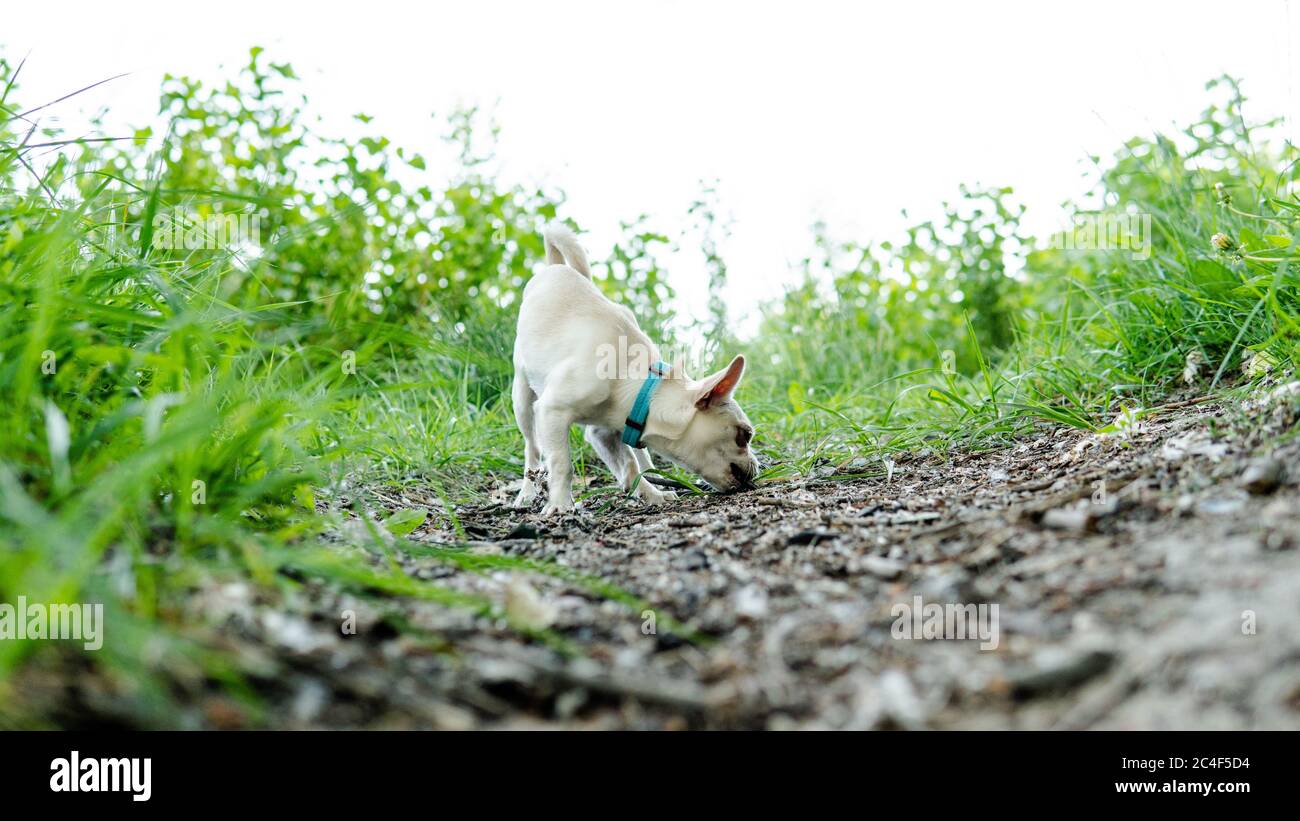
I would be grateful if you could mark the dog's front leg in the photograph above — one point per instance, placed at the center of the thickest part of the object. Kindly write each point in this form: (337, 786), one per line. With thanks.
(622, 462)
(649, 493)
(553, 432)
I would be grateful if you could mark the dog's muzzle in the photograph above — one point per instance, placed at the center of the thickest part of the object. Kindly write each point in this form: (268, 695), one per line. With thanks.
(744, 479)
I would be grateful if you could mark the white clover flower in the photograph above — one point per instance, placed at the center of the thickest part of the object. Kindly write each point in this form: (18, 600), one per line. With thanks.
(1192, 367)
(1126, 424)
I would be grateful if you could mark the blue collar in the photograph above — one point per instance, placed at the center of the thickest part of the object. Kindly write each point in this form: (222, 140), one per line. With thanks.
(634, 427)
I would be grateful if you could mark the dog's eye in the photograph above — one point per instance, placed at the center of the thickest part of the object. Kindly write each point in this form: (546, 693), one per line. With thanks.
(743, 435)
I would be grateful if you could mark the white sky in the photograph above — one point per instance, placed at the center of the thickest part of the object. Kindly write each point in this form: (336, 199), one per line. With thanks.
(847, 112)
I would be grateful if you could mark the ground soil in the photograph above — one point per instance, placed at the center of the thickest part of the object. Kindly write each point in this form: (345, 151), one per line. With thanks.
(1169, 600)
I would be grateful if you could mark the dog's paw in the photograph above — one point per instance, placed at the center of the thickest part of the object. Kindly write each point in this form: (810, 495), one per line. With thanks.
(558, 508)
(654, 497)
(534, 482)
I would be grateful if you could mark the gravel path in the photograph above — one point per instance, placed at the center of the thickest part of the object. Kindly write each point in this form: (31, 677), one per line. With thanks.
(1170, 600)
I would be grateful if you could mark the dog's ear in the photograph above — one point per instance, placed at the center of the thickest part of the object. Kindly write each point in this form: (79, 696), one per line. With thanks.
(718, 388)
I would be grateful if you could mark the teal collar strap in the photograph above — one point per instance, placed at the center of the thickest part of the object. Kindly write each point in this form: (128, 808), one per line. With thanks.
(634, 427)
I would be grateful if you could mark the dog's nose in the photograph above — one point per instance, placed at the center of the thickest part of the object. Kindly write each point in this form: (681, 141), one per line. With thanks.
(744, 478)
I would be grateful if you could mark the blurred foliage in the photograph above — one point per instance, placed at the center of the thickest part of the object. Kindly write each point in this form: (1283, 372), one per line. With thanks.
(350, 227)
(905, 303)
(1000, 329)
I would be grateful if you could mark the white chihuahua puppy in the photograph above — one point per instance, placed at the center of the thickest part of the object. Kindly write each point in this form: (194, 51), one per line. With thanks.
(568, 335)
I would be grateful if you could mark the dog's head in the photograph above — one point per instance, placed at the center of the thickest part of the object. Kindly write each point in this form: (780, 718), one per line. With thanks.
(714, 441)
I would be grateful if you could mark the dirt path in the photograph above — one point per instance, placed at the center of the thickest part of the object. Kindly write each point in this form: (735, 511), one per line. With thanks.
(1171, 601)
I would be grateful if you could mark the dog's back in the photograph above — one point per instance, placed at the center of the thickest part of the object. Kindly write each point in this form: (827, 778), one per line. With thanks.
(564, 315)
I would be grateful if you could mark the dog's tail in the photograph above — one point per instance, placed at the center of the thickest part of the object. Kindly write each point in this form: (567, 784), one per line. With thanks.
(562, 248)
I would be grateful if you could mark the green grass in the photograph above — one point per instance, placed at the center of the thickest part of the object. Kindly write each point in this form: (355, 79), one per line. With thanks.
(174, 416)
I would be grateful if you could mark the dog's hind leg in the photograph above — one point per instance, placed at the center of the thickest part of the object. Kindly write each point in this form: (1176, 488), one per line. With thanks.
(613, 453)
(553, 425)
(523, 398)
(623, 462)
